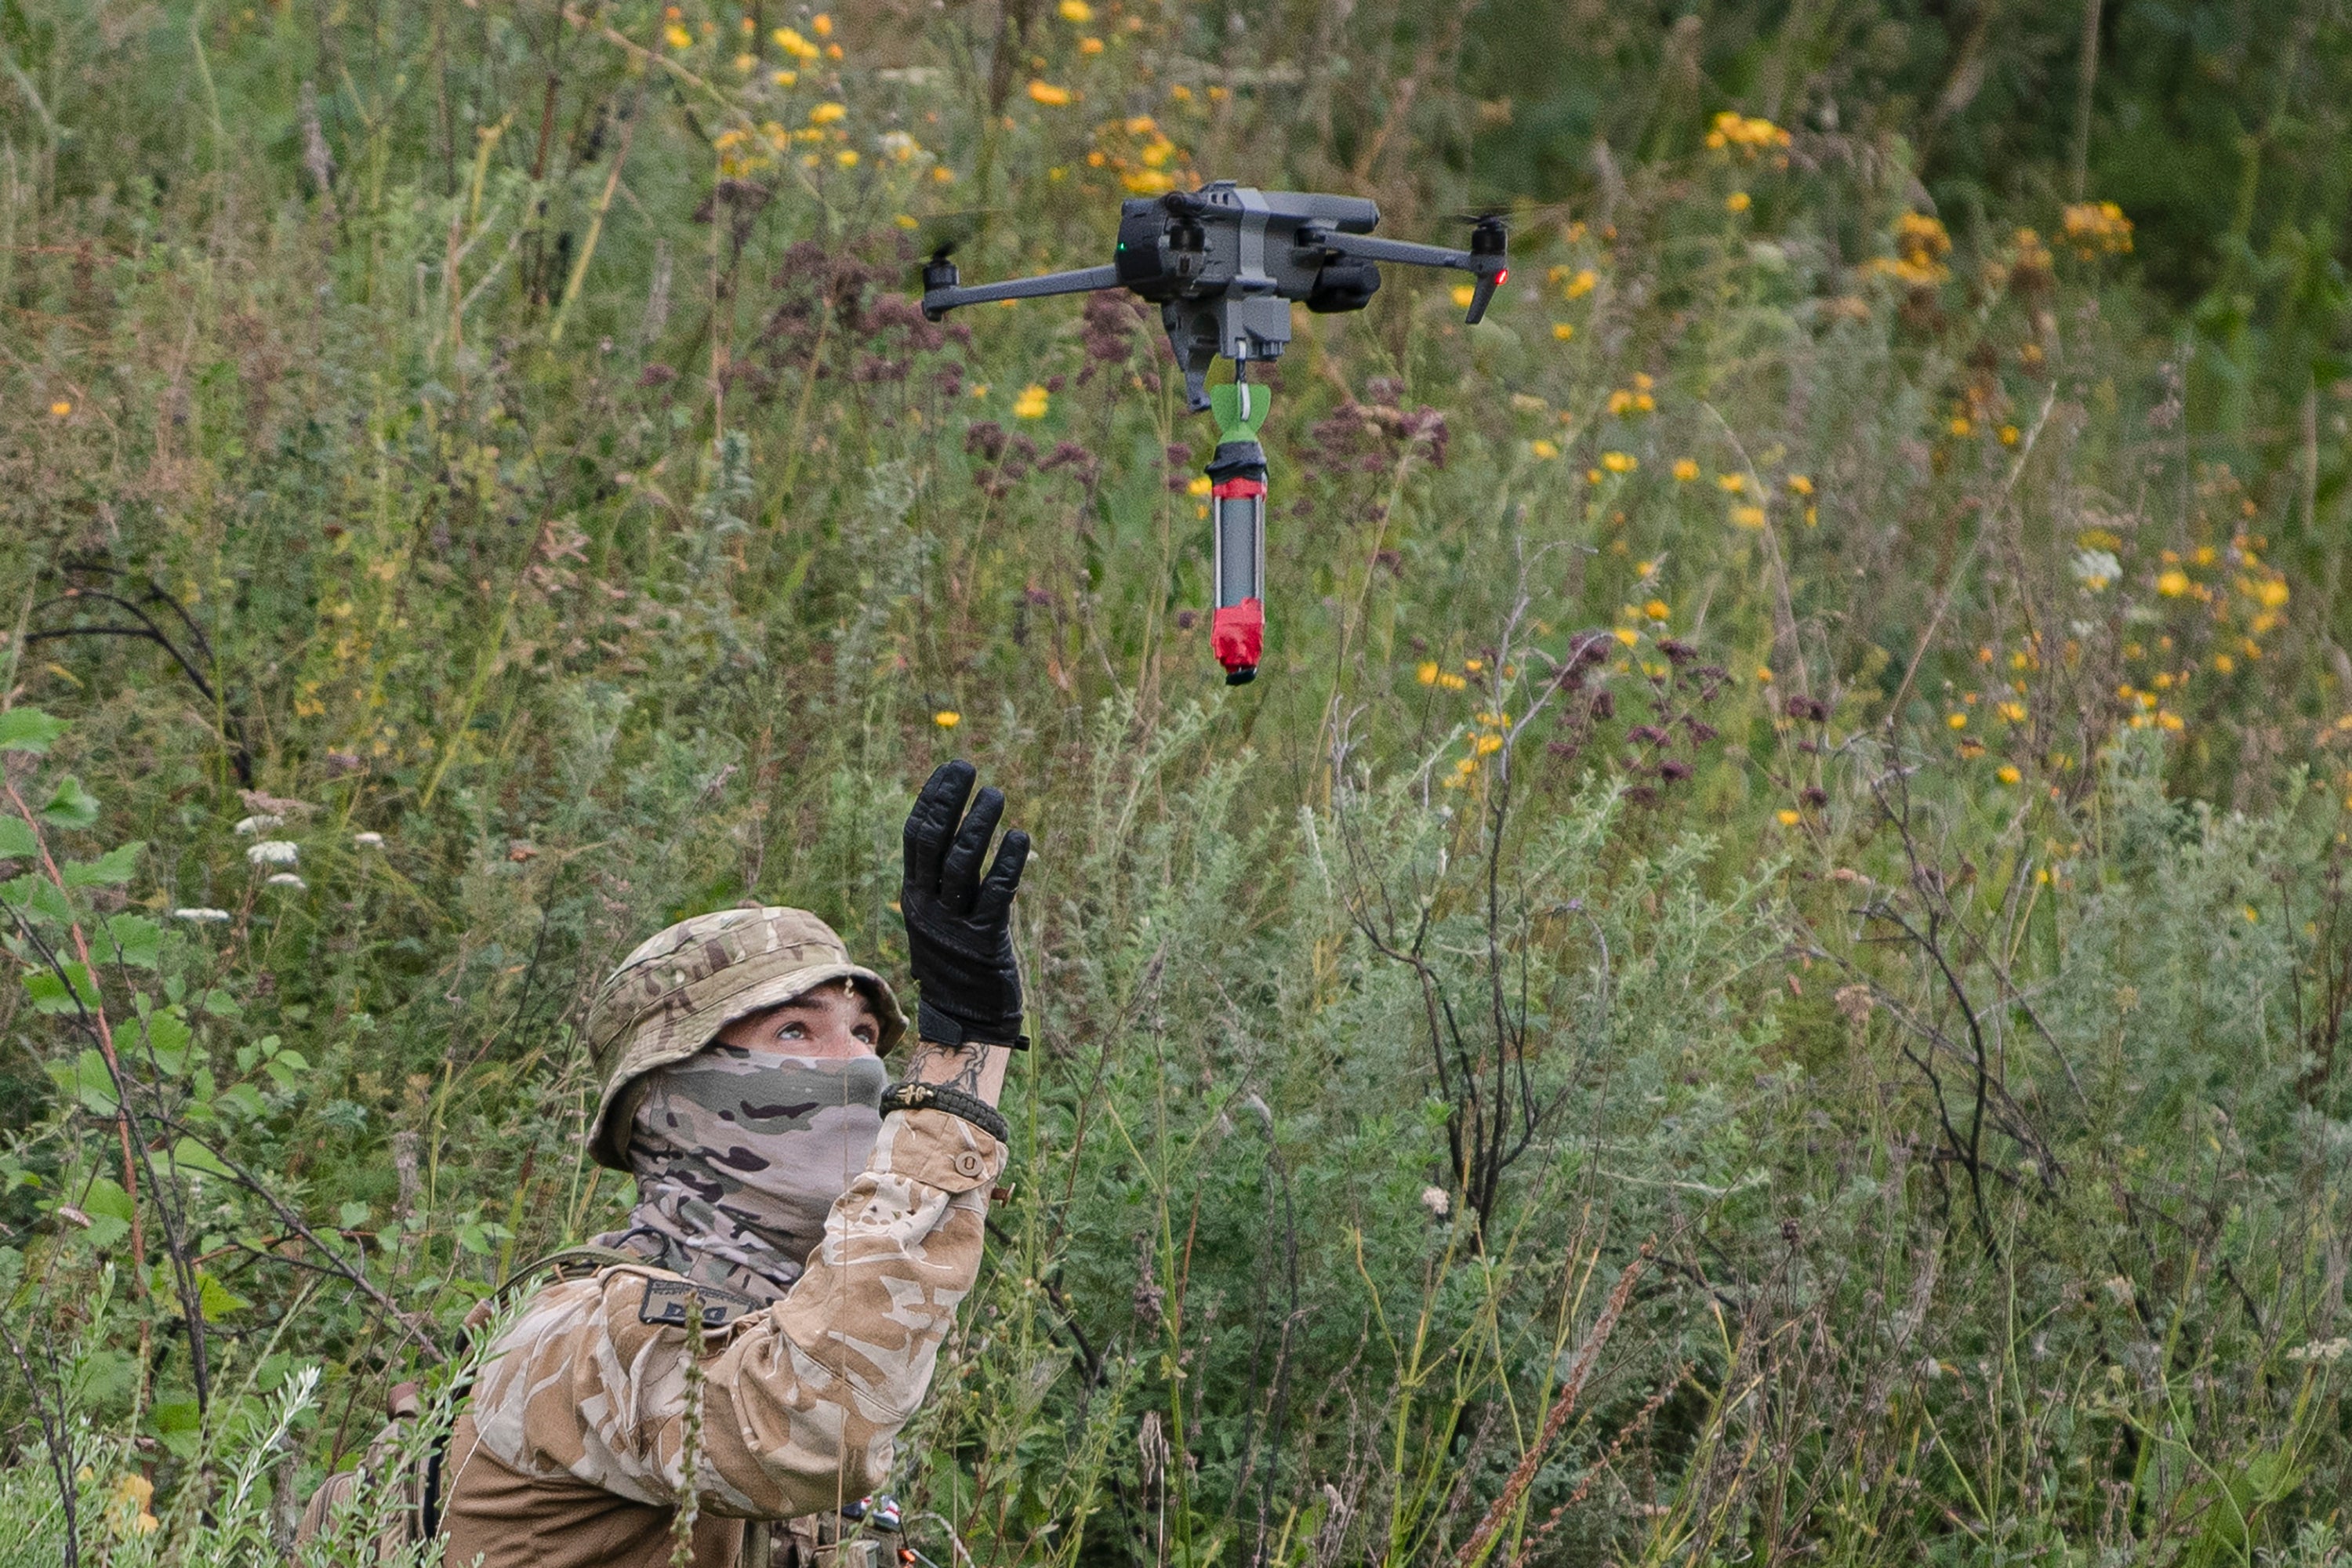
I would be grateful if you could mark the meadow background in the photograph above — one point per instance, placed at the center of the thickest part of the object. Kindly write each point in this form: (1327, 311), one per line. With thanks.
(1760, 977)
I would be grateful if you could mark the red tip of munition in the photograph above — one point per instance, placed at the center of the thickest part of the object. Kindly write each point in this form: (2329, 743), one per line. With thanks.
(1237, 636)
(1228, 490)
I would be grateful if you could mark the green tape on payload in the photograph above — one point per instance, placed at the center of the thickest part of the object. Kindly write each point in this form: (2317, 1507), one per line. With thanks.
(1240, 408)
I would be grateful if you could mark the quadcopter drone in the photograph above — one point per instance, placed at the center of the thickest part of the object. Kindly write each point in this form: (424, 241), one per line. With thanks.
(1225, 263)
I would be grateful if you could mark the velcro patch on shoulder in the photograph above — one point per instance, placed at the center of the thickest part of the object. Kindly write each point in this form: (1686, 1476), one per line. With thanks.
(664, 1304)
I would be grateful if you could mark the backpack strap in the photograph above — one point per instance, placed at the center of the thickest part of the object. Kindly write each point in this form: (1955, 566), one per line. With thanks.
(565, 1263)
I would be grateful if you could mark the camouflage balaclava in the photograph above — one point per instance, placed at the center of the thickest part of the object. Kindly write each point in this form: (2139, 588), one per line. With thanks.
(739, 1156)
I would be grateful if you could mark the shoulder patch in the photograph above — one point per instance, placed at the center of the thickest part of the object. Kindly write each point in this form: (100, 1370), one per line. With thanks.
(664, 1304)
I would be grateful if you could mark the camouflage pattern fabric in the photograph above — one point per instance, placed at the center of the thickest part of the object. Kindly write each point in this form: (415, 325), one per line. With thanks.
(801, 1401)
(739, 1156)
(685, 984)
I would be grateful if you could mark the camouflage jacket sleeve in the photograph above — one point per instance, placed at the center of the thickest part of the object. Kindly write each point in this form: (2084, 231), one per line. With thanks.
(802, 1399)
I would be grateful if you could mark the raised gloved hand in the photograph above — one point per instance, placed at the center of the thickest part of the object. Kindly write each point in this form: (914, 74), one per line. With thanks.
(959, 921)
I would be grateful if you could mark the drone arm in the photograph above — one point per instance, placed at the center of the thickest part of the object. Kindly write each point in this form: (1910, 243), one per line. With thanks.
(1403, 250)
(1489, 269)
(937, 302)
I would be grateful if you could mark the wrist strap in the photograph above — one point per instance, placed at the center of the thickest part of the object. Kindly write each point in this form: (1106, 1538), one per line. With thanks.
(940, 1029)
(954, 1102)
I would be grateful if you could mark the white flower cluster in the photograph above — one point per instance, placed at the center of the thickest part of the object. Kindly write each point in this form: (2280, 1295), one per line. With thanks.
(201, 915)
(259, 822)
(273, 852)
(2329, 1350)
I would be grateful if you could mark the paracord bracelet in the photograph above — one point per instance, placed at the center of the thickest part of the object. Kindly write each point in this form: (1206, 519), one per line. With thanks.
(954, 1102)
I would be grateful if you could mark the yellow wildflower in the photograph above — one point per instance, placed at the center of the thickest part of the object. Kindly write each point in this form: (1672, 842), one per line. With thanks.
(2009, 435)
(1047, 93)
(827, 113)
(1748, 517)
(1030, 404)
(846, 157)
(60, 408)
(1801, 484)
(1685, 469)
(1427, 673)
(1542, 450)
(2011, 711)
(1619, 462)
(1956, 720)
(1737, 202)
(2172, 583)
(2007, 773)
(1091, 46)
(1562, 331)
(1627, 636)
(1199, 486)
(1463, 294)
(1763, 675)
(1657, 609)
(821, 25)
(1789, 818)
(677, 38)
(1581, 284)
(1077, 11)
(1959, 425)
(947, 718)
(1451, 681)
(1731, 484)
(1489, 745)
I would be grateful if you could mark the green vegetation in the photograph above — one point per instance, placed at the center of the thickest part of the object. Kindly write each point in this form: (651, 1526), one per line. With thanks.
(1761, 974)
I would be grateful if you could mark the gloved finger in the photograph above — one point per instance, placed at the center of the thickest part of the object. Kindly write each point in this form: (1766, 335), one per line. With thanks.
(960, 874)
(994, 905)
(932, 822)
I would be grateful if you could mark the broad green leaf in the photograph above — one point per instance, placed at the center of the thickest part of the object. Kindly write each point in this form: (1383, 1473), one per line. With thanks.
(217, 1298)
(109, 869)
(190, 1155)
(37, 898)
(28, 730)
(243, 1098)
(17, 839)
(93, 1084)
(107, 1197)
(167, 1042)
(353, 1215)
(108, 1208)
(48, 988)
(136, 939)
(70, 805)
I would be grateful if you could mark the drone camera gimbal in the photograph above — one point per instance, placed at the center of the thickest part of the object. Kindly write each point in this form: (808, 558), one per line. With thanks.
(1225, 263)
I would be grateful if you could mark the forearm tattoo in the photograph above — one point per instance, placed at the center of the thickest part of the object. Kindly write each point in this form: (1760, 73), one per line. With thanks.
(950, 1067)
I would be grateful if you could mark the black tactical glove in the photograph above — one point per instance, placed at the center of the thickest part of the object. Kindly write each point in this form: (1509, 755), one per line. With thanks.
(959, 922)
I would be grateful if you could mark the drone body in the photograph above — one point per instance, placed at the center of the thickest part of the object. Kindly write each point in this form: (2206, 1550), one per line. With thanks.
(1225, 263)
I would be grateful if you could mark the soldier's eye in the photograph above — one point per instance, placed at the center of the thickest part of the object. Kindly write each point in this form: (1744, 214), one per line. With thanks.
(794, 1030)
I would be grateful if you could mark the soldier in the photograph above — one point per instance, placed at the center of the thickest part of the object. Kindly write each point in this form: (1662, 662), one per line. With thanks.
(825, 1223)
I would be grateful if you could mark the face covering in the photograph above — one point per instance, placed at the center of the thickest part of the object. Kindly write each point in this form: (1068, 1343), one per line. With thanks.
(739, 1156)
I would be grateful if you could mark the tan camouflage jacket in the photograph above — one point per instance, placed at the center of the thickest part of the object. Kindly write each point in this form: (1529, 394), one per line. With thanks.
(571, 1449)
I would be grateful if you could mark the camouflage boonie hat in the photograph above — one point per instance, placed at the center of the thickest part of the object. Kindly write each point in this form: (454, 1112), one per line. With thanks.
(681, 986)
